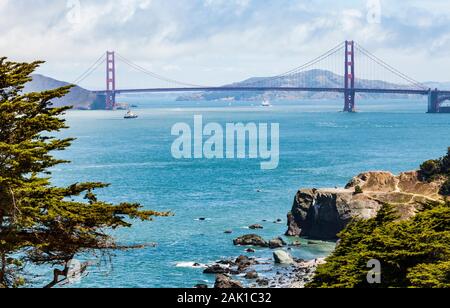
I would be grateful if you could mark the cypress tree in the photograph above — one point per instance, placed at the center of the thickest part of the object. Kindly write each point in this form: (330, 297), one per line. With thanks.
(41, 223)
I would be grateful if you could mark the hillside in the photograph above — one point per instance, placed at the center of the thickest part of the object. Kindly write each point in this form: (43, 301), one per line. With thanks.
(316, 78)
(78, 97)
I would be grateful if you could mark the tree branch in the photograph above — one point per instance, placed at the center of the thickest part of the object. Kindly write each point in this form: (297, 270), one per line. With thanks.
(56, 281)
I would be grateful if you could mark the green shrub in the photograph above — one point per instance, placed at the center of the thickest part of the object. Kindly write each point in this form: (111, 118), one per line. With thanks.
(358, 190)
(412, 253)
(445, 189)
(446, 163)
(430, 169)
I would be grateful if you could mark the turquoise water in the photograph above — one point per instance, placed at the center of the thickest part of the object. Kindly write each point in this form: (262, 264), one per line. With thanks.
(320, 147)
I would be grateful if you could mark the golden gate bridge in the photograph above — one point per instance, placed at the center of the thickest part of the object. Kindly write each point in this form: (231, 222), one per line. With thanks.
(348, 68)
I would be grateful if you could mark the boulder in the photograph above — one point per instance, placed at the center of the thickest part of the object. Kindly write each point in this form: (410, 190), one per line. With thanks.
(201, 286)
(282, 257)
(218, 269)
(244, 262)
(277, 243)
(251, 275)
(263, 282)
(225, 282)
(251, 240)
(250, 250)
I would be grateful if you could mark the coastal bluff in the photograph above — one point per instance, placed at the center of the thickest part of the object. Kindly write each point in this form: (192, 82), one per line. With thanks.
(322, 213)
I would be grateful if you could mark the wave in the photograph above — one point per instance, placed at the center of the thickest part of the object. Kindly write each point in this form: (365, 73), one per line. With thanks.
(190, 265)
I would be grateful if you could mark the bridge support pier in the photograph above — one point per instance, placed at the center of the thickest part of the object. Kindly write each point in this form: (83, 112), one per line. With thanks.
(433, 101)
(349, 93)
(349, 98)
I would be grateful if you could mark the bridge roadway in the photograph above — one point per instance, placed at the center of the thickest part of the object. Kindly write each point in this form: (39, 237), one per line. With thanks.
(272, 89)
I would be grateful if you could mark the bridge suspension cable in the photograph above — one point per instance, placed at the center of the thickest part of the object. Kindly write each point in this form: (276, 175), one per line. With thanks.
(154, 75)
(307, 65)
(90, 70)
(391, 69)
(302, 68)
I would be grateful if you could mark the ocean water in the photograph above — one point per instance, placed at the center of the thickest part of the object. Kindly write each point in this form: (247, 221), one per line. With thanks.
(319, 147)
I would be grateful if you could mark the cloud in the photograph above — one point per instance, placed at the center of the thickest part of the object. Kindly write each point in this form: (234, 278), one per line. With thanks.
(245, 37)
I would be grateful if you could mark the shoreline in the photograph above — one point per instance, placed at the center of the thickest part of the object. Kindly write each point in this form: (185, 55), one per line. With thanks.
(281, 270)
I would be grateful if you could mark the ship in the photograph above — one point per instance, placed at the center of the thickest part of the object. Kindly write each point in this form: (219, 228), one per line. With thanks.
(266, 103)
(130, 115)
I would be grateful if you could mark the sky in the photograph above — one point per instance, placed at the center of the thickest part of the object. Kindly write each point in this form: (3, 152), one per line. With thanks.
(215, 42)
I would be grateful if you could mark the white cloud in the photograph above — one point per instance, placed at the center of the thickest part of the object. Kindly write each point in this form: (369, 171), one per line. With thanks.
(246, 37)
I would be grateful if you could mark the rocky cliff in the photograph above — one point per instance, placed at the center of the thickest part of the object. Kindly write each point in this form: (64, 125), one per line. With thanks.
(323, 213)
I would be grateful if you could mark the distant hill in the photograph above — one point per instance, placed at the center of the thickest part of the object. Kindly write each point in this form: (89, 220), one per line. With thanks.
(438, 85)
(78, 97)
(315, 78)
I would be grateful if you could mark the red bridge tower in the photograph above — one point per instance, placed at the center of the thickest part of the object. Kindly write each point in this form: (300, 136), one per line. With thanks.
(110, 80)
(349, 92)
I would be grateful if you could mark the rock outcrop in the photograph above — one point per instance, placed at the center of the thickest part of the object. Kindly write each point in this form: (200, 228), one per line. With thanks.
(277, 243)
(323, 213)
(251, 240)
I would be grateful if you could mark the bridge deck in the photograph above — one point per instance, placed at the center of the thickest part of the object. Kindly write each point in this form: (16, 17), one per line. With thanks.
(272, 89)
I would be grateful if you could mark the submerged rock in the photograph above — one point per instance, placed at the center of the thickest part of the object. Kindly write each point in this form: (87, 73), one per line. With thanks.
(250, 240)
(226, 262)
(296, 244)
(256, 226)
(225, 282)
(282, 257)
(263, 282)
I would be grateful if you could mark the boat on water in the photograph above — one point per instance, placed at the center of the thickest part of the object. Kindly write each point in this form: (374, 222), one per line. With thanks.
(130, 115)
(266, 103)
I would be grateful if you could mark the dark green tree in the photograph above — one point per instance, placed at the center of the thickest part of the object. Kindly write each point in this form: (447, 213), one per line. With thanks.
(430, 169)
(412, 253)
(446, 163)
(40, 223)
(445, 189)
